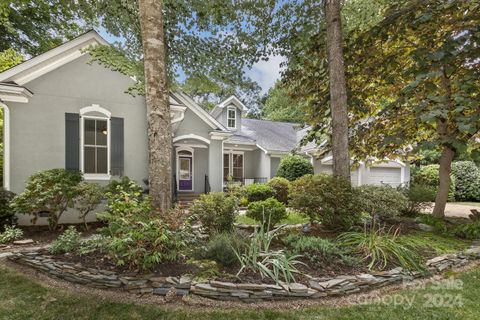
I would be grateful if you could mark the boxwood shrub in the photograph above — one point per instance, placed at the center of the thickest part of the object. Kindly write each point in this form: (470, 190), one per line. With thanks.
(293, 167)
(259, 192)
(381, 201)
(270, 210)
(281, 186)
(467, 181)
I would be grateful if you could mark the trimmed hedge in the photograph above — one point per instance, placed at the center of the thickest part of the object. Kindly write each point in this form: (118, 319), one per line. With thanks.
(293, 167)
(258, 192)
(467, 181)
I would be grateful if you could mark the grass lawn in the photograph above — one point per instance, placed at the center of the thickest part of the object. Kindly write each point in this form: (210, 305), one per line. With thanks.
(22, 299)
(475, 204)
(293, 217)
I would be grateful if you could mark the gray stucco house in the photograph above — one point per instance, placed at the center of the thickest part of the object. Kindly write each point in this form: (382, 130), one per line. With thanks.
(62, 112)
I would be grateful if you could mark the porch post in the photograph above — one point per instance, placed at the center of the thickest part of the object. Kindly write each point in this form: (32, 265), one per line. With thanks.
(6, 146)
(215, 165)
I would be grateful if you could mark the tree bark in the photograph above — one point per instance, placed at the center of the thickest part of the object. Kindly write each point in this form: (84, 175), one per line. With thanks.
(338, 89)
(444, 175)
(158, 108)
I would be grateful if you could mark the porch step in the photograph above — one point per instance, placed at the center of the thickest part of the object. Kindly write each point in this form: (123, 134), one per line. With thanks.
(185, 199)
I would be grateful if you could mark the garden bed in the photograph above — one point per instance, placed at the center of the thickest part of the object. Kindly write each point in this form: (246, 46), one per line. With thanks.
(222, 290)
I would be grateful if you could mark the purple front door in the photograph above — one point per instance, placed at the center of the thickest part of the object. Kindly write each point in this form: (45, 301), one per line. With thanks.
(185, 176)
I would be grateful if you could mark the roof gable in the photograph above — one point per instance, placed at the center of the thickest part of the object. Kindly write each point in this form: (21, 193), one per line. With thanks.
(52, 59)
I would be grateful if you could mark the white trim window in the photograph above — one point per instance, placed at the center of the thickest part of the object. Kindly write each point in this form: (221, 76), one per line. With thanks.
(233, 166)
(95, 143)
(231, 117)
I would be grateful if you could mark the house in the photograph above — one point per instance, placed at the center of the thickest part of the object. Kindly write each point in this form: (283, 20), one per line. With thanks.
(60, 111)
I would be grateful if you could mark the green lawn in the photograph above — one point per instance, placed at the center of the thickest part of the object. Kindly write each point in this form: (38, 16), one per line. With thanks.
(22, 299)
(293, 217)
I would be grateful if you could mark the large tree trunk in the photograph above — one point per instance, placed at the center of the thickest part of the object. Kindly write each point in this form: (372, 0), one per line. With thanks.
(158, 109)
(444, 175)
(338, 89)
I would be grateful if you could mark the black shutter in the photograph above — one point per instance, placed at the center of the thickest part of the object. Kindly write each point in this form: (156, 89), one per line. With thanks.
(72, 141)
(116, 146)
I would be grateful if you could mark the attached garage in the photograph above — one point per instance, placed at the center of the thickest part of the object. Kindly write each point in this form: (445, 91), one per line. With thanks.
(328, 168)
(384, 175)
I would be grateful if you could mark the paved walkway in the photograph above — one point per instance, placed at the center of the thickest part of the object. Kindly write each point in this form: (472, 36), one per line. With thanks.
(458, 210)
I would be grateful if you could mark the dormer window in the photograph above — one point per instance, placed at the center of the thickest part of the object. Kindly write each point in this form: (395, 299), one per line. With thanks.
(232, 118)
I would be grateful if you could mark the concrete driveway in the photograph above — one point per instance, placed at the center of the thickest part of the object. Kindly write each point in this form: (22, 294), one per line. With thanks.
(458, 209)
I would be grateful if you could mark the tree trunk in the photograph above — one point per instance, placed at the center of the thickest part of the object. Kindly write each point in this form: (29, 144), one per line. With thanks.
(338, 89)
(158, 109)
(444, 175)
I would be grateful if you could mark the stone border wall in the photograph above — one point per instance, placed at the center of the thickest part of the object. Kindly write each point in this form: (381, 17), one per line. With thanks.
(247, 292)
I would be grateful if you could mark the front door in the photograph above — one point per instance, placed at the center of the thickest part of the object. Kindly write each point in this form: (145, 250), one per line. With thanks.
(185, 177)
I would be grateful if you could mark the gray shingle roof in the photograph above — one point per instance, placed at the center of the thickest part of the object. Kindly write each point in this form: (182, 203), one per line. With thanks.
(270, 135)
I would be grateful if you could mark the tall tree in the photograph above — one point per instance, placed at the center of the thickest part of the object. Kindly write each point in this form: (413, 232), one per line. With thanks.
(158, 109)
(278, 105)
(338, 89)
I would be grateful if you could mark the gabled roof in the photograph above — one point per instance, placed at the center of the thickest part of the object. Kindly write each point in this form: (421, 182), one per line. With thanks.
(51, 60)
(232, 100)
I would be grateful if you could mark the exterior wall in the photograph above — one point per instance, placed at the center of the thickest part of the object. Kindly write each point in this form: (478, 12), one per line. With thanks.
(192, 124)
(215, 165)
(38, 127)
(274, 163)
(249, 164)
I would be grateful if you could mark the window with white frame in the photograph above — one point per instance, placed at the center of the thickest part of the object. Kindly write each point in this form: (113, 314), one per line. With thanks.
(231, 117)
(95, 146)
(233, 166)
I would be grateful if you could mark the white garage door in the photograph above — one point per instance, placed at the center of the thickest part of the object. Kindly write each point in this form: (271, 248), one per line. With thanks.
(379, 176)
(353, 174)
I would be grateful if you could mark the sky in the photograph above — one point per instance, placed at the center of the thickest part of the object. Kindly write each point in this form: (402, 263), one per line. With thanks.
(265, 73)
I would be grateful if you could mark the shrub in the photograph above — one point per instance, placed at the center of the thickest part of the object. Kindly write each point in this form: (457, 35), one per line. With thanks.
(429, 176)
(419, 198)
(66, 242)
(467, 181)
(257, 257)
(280, 186)
(49, 191)
(313, 248)
(7, 214)
(469, 231)
(293, 167)
(96, 243)
(380, 247)
(216, 211)
(381, 201)
(269, 212)
(221, 248)
(258, 192)
(137, 237)
(87, 199)
(11, 233)
(124, 184)
(326, 198)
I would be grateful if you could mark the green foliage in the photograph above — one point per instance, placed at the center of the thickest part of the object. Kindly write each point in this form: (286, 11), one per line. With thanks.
(467, 180)
(126, 185)
(429, 176)
(89, 196)
(280, 106)
(293, 167)
(137, 237)
(259, 192)
(381, 201)
(221, 248)
(419, 198)
(468, 230)
(11, 233)
(313, 248)
(281, 187)
(7, 214)
(257, 257)
(49, 191)
(216, 211)
(269, 212)
(439, 225)
(66, 242)
(439, 243)
(381, 247)
(9, 58)
(326, 198)
(95, 243)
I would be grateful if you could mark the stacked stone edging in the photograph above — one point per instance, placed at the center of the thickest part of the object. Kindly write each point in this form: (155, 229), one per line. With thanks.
(247, 292)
